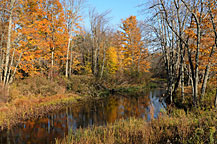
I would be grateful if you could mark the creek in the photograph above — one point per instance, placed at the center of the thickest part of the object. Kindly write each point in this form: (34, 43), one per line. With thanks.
(97, 112)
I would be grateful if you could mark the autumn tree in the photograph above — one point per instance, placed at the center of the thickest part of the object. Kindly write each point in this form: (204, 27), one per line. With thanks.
(111, 60)
(44, 35)
(82, 45)
(57, 36)
(35, 37)
(133, 51)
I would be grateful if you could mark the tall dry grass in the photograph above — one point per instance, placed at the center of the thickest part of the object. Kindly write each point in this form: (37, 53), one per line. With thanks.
(178, 128)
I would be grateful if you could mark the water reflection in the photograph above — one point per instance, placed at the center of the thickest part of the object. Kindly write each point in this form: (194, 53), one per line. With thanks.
(108, 110)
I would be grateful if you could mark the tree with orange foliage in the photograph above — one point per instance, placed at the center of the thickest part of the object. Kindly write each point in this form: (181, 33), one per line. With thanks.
(42, 25)
(57, 36)
(133, 51)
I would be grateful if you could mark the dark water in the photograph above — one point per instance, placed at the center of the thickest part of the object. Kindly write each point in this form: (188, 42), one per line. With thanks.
(57, 124)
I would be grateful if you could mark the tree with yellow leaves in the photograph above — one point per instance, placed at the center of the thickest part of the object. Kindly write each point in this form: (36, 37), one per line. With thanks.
(112, 60)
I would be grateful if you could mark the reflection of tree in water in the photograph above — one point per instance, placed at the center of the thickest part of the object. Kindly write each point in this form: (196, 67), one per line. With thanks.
(111, 109)
(134, 107)
(41, 131)
(98, 112)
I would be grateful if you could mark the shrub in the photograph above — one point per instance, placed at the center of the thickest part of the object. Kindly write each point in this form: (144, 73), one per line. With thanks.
(37, 86)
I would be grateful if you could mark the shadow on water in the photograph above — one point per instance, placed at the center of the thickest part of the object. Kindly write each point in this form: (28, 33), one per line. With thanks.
(101, 112)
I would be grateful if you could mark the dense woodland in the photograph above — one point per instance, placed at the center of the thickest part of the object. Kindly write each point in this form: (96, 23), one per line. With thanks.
(47, 37)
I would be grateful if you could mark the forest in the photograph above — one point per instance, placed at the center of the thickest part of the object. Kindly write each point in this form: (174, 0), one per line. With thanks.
(49, 60)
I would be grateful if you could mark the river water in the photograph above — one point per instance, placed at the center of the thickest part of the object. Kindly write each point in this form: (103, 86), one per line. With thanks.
(101, 112)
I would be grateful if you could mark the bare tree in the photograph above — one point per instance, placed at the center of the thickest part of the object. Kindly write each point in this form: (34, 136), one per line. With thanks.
(211, 14)
(174, 17)
(98, 23)
(172, 20)
(72, 12)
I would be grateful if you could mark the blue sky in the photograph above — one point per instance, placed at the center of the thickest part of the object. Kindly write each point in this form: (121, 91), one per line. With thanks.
(120, 9)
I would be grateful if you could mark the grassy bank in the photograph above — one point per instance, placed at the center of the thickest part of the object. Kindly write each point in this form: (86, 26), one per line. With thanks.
(179, 127)
(35, 97)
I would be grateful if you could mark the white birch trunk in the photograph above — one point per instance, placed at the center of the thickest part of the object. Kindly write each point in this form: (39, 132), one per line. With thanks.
(8, 42)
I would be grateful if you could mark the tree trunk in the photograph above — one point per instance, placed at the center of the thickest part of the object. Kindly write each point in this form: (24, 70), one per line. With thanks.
(192, 77)
(1, 54)
(216, 98)
(8, 42)
(139, 59)
(206, 74)
(195, 89)
(9, 71)
(67, 54)
(52, 64)
(182, 84)
(70, 63)
(15, 70)
(196, 80)
(205, 79)
(92, 59)
(96, 60)
(103, 63)
(2, 66)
